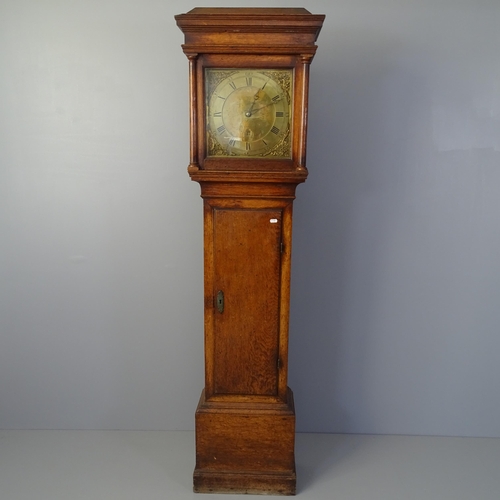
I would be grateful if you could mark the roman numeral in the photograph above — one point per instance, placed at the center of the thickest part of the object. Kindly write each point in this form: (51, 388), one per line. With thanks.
(247, 146)
(232, 142)
(220, 97)
(249, 81)
(279, 114)
(233, 85)
(218, 114)
(275, 130)
(221, 129)
(276, 98)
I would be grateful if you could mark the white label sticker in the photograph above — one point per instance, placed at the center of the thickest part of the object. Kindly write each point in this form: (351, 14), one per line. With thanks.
(273, 221)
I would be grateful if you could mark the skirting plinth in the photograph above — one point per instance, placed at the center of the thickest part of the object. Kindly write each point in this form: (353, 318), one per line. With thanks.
(245, 448)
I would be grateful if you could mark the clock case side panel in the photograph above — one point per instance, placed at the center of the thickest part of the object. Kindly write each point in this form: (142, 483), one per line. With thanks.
(271, 207)
(294, 62)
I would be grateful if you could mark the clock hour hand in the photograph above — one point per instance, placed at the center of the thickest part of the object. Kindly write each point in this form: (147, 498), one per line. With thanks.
(248, 114)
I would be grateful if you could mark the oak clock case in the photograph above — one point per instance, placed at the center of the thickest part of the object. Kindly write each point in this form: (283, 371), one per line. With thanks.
(248, 80)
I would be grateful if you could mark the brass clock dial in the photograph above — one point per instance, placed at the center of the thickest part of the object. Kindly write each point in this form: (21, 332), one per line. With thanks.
(249, 112)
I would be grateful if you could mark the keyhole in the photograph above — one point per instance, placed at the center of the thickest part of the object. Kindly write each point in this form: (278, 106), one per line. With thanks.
(220, 301)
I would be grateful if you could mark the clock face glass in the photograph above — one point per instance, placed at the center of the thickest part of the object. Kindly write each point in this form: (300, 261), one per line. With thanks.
(249, 112)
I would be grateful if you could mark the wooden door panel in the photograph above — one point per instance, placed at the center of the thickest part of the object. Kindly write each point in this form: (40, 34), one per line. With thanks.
(247, 259)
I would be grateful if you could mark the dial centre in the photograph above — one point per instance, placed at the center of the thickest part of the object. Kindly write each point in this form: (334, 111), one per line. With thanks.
(248, 114)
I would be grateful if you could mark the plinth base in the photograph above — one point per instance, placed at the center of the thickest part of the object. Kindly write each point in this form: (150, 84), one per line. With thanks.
(246, 448)
(248, 483)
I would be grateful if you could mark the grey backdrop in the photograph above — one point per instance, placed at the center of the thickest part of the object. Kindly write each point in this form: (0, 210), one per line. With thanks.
(396, 272)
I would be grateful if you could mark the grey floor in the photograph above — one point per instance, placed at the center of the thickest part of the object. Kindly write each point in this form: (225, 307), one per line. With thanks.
(136, 465)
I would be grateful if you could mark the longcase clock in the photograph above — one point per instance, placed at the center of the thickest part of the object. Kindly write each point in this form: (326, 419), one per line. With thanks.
(248, 84)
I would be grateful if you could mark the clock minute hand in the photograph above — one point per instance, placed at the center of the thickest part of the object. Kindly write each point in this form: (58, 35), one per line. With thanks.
(262, 107)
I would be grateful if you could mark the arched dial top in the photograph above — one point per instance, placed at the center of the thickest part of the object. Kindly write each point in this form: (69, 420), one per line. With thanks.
(249, 112)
